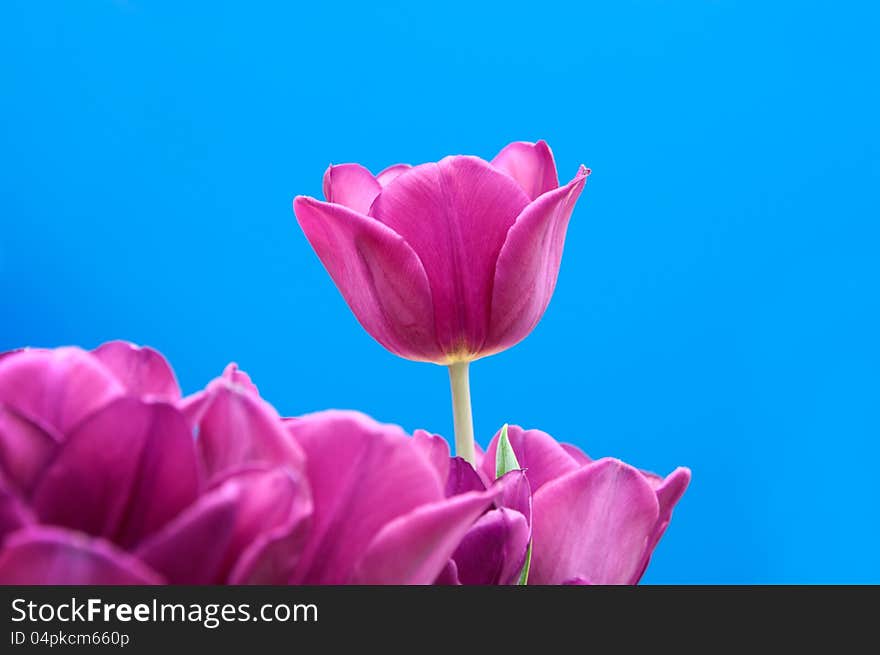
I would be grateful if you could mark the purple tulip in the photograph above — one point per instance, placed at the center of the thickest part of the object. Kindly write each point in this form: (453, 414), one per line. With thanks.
(594, 522)
(381, 513)
(446, 262)
(101, 481)
(449, 261)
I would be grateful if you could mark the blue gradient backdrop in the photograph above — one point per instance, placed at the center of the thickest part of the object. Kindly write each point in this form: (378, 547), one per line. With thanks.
(718, 299)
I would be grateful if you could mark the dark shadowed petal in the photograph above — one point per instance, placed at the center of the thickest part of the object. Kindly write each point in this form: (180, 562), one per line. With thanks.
(53, 556)
(414, 548)
(455, 215)
(56, 388)
(363, 475)
(435, 449)
(122, 473)
(377, 272)
(462, 478)
(449, 575)
(593, 523)
(494, 549)
(26, 448)
(191, 549)
(530, 164)
(14, 514)
(386, 176)
(528, 265)
(236, 428)
(141, 370)
(542, 457)
(516, 493)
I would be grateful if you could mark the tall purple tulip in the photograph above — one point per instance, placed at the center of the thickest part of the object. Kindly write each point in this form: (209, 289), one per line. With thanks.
(594, 522)
(446, 262)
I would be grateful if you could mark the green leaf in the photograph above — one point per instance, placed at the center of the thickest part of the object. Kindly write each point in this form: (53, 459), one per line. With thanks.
(524, 574)
(505, 458)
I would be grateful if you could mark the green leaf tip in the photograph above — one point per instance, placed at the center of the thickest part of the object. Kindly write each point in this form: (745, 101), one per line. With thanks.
(505, 458)
(524, 574)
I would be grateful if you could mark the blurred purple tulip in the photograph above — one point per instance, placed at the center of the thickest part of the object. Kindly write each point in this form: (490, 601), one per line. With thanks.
(594, 522)
(381, 512)
(445, 262)
(102, 482)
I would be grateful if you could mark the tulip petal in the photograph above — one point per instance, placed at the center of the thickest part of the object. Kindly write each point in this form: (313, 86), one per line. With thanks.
(593, 523)
(449, 575)
(385, 177)
(56, 388)
(25, 449)
(14, 514)
(493, 550)
(516, 493)
(669, 491)
(455, 215)
(191, 549)
(435, 449)
(577, 454)
(236, 428)
(378, 274)
(53, 556)
(528, 265)
(363, 475)
(271, 527)
(235, 375)
(352, 186)
(123, 472)
(542, 457)
(462, 478)
(141, 370)
(414, 548)
(530, 164)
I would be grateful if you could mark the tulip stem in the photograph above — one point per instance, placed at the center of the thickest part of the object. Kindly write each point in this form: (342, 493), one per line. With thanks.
(462, 418)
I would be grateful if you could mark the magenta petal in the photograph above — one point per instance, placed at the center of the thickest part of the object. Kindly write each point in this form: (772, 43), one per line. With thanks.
(530, 164)
(493, 550)
(577, 454)
(236, 428)
(52, 556)
(192, 548)
(528, 265)
(435, 449)
(515, 493)
(414, 548)
(455, 215)
(56, 388)
(122, 473)
(271, 525)
(238, 377)
(25, 449)
(542, 457)
(363, 475)
(378, 273)
(593, 523)
(14, 514)
(351, 185)
(141, 370)
(449, 575)
(669, 491)
(462, 478)
(389, 174)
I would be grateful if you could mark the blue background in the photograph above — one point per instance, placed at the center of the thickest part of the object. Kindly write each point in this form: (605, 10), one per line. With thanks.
(718, 299)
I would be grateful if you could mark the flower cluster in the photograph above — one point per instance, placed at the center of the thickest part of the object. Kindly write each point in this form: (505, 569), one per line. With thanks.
(109, 475)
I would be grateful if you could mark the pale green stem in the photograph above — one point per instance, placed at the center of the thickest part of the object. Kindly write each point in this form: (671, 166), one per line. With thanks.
(461, 411)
